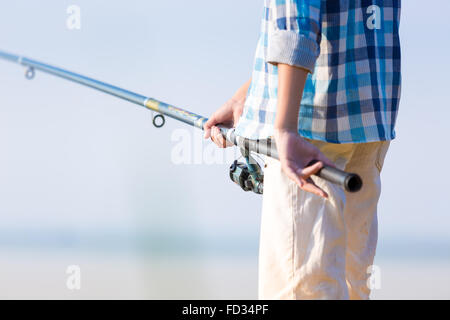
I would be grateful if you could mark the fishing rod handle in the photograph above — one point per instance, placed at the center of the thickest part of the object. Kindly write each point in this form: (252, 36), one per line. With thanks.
(351, 182)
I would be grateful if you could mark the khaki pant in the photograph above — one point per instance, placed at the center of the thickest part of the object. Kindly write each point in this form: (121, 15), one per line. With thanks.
(313, 248)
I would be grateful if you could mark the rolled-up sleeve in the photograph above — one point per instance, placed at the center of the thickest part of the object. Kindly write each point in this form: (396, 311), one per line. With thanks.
(294, 32)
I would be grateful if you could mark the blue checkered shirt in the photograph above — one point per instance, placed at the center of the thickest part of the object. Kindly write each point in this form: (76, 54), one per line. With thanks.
(352, 52)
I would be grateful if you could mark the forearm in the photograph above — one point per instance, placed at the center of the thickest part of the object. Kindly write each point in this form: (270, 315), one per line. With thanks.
(241, 94)
(291, 82)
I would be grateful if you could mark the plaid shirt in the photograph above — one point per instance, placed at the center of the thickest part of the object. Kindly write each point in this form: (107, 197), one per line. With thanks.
(352, 51)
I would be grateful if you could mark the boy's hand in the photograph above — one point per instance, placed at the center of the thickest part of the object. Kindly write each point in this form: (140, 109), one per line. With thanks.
(295, 153)
(227, 116)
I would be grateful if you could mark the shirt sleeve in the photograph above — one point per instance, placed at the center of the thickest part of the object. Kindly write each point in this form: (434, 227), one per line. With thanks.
(294, 32)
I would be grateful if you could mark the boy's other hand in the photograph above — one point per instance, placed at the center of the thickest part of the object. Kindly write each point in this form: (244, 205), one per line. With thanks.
(295, 153)
(227, 116)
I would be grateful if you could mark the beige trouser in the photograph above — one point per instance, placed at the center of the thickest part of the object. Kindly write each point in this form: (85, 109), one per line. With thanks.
(312, 248)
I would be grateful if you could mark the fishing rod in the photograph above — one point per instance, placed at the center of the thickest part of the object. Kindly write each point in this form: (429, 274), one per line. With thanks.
(248, 175)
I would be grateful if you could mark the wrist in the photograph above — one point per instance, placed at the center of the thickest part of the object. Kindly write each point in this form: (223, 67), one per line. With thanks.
(238, 99)
(281, 134)
(237, 104)
(286, 127)
(241, 94)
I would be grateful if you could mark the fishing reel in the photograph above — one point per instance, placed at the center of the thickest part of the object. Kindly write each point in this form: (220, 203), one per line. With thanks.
(248, 175)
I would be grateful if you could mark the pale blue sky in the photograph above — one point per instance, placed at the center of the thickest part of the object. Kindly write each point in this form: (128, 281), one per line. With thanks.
(77, 160)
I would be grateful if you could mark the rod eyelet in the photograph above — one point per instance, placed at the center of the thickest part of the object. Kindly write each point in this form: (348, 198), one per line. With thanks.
(30, 73)
(162, 120)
